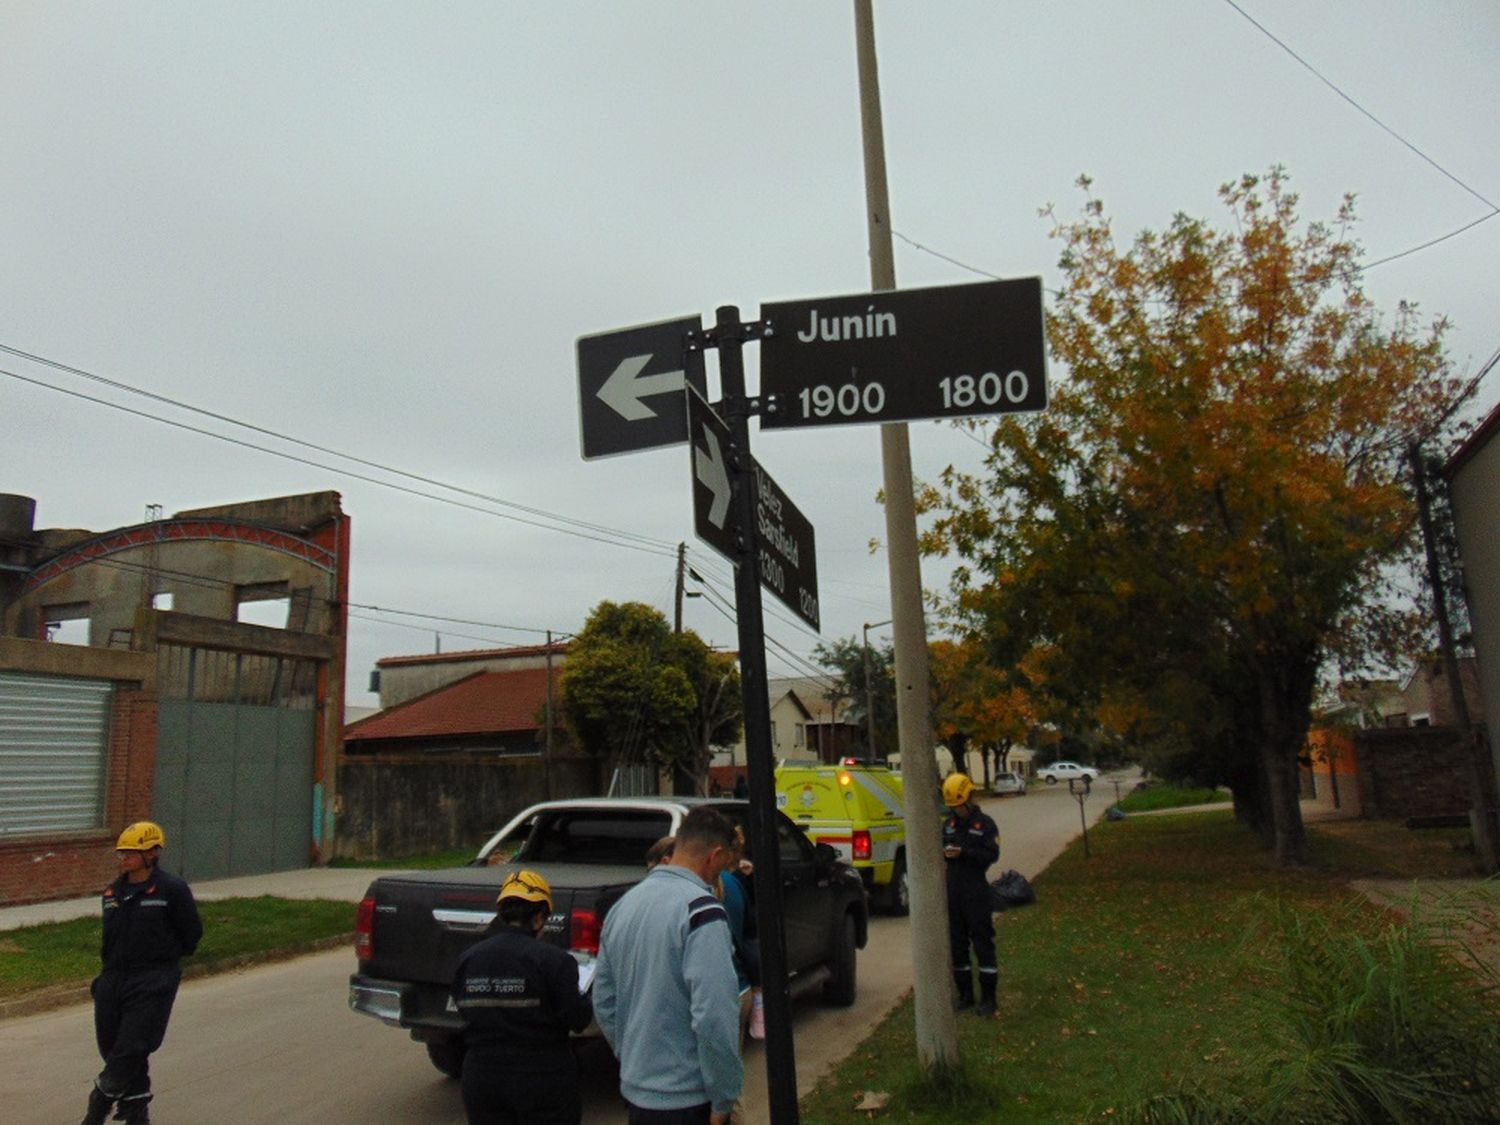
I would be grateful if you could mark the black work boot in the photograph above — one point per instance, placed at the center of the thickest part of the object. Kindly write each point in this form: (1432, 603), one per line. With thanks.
(964, 982)
(99, 1107)
(987, 982)
(133, 1111)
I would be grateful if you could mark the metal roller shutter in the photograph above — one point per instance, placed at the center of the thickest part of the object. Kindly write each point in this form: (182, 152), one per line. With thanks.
(54, 740)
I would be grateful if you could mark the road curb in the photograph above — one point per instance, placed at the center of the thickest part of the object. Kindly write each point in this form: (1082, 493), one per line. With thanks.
(61, 996)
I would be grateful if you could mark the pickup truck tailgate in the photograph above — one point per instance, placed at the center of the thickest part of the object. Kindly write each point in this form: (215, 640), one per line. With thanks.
(423, 921)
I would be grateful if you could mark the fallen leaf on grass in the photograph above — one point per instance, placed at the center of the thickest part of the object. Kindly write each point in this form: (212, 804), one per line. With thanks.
(872, 1103)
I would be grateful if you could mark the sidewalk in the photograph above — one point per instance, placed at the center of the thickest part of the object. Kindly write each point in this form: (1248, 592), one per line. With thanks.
(338, 883)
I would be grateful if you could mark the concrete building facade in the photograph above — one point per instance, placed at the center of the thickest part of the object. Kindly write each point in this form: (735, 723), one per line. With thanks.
(142, 676)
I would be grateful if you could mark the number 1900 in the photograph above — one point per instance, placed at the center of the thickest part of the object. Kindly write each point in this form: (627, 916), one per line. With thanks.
(847, 401)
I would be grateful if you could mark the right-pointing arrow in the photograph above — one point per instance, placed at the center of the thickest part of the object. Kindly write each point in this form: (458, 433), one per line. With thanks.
(710, 470)
(626, 386)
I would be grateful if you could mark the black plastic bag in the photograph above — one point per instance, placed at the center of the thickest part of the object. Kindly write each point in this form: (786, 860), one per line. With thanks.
(1010, 891)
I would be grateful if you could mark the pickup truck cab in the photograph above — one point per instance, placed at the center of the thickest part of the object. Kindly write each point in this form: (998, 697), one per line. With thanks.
(413, 927)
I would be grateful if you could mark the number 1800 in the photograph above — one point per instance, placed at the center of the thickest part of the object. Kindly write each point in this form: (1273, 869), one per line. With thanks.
(847, 400)
(989, 389)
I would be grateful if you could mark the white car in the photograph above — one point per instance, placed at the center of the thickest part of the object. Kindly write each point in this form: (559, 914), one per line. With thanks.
(1009, 782)
(1066, 771)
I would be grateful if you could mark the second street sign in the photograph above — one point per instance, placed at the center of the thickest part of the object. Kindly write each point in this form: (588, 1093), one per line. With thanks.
(904, 354)
(783, 536)
(630, 387)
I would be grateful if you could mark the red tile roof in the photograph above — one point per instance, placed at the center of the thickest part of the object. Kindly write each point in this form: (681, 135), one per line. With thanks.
(484, 703)
(559, 649)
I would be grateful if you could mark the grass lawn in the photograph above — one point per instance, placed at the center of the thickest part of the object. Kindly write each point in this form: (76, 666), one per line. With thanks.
(454, 857)
(235, 930)
(1131, 973)
(1160, 795)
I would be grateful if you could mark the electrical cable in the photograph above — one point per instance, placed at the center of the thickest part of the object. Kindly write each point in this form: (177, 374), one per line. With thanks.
(153, 396)
(667, 551)
(1382, 125)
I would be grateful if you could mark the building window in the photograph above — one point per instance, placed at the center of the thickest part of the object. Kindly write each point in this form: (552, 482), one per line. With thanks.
(263, 603)
(66, 624)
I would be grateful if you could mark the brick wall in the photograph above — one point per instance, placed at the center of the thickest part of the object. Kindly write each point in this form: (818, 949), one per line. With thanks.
(1415, 771)
(74, 864)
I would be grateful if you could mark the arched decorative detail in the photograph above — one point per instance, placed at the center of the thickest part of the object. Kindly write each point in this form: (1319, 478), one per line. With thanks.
(172, 531)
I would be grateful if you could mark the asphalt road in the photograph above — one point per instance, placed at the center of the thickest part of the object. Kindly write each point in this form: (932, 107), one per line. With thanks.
(278, 1044)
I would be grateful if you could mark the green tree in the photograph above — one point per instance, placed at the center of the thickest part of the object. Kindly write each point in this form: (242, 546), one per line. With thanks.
(634, 691)
(718, 714)
(1208, 507)
(848, 660)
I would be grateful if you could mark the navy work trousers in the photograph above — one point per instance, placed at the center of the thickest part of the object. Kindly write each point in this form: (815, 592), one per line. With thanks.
(131, 1009)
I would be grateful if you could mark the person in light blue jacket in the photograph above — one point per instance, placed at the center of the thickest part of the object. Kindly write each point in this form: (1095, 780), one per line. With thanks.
(665, 992)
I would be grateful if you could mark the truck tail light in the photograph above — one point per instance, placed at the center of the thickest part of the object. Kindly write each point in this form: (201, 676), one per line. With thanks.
(364, 930)
(861, 844)
(583, 932)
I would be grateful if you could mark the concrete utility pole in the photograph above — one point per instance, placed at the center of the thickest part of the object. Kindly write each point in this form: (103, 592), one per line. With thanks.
(870, 691)
(936, 1025)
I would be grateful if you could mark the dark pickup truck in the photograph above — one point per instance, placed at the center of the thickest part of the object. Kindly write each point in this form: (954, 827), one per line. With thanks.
(413, 927)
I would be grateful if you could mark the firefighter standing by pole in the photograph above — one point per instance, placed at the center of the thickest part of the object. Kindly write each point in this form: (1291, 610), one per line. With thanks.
(971, 842)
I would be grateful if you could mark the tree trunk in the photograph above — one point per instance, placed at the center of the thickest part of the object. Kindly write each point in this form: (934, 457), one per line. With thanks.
(1284, 691)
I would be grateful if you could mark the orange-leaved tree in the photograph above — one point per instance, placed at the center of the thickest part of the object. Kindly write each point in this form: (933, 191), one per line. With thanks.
(1211, 501)
(975, 703)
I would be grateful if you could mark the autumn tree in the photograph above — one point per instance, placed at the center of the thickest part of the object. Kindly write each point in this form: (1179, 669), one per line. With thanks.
(634, 691)
(1207, 508)
(976, 703)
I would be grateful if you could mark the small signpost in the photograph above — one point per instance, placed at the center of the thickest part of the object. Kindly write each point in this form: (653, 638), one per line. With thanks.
(630, 387)
(875, 357)
(783, 536)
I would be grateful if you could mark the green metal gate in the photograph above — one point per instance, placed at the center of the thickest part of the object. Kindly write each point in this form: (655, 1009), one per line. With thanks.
(234, 762)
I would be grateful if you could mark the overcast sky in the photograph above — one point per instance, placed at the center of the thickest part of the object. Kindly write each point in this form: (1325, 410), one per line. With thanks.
(381, 228)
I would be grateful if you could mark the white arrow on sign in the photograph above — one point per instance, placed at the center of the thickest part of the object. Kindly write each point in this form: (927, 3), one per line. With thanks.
(626, 386)
(710, 469)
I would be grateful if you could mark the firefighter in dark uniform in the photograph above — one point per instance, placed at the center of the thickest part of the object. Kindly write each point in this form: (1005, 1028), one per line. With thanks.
(150, 923)
(519, 999)
(971, 842)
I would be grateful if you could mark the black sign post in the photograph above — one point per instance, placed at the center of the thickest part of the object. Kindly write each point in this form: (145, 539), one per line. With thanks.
(729, 335)
(893, 356)
(949, 352)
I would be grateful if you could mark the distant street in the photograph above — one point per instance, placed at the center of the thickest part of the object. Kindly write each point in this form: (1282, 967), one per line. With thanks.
(277, 1044)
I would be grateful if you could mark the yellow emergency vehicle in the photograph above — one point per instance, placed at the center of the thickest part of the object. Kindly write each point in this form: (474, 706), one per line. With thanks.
(859, 810)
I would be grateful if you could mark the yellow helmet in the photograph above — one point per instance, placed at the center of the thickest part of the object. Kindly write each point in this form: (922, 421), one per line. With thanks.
(527, 886)
(956, 790)
(141, 836)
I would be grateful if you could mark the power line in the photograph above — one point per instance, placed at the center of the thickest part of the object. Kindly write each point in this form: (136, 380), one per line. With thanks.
(153, 396)
(1381, 124)
(665, 550)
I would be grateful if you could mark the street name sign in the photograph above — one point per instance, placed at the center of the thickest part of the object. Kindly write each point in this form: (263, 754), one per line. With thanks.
(948, 352)
(630, 387)
(783, 536)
